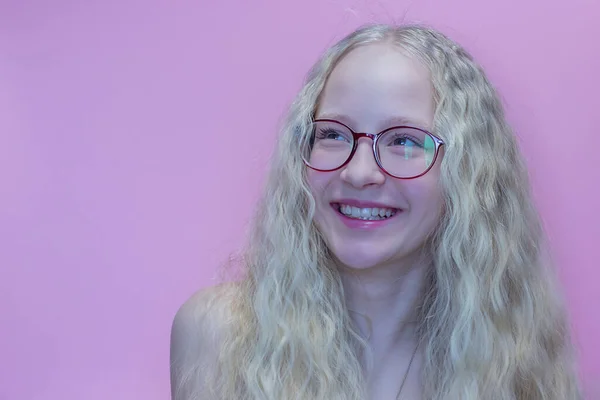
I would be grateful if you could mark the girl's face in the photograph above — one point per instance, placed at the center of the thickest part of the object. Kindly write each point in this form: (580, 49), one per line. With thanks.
(372, 88)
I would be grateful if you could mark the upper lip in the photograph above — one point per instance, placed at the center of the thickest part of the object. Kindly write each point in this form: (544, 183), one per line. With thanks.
(362, 203)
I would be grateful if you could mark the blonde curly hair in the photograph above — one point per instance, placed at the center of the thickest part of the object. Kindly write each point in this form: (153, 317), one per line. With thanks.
(491, 324)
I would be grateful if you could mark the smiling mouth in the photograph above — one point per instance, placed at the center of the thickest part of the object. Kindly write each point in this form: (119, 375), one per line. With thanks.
(365, 213)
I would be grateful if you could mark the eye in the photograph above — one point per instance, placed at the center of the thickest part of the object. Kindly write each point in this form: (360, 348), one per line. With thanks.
(403, 139)
(331, 134)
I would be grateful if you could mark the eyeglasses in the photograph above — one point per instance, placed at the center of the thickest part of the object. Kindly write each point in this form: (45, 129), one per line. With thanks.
(403, 152)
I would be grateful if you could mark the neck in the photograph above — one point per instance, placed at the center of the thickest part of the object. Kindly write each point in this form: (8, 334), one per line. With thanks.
(383, 302)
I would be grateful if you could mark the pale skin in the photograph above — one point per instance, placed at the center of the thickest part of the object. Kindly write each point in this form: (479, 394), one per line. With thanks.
(374, 87)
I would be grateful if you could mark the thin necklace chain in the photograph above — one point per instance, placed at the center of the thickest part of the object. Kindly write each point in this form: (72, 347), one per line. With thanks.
(409, 363)
(407, 371)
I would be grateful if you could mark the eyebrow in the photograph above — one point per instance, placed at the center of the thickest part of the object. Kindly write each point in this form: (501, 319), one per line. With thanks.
(388, 122)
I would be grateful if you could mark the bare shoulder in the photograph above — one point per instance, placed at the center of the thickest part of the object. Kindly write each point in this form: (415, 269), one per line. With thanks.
(195, 334)
(204, 310)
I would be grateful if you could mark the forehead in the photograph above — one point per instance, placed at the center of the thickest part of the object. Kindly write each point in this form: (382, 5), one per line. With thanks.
(375, 84)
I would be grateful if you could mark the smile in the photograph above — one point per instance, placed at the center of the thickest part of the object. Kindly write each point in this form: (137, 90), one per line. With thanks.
(366, 213)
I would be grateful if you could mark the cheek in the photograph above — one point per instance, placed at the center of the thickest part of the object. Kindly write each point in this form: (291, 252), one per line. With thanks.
(426, 196)
(313, 183)
(317, 182)
(434, 204)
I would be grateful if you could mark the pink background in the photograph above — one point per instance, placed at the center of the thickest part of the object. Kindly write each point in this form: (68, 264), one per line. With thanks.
(134, 137)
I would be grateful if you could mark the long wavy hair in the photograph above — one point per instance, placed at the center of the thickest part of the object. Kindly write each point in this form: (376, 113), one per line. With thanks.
(491, 324)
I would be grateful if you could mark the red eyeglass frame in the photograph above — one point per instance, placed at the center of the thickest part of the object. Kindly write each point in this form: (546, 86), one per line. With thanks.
(375, 137)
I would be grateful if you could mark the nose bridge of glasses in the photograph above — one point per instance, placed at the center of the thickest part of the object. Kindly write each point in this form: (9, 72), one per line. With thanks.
(369, 150)
(359, 135)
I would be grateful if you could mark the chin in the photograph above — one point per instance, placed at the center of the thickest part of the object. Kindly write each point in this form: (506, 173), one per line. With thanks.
(353, 260)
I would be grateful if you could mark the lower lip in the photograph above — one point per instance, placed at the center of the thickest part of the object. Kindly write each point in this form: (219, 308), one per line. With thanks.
(354, 223)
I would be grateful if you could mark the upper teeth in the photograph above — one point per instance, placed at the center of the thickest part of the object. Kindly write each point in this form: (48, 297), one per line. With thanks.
(356, 212)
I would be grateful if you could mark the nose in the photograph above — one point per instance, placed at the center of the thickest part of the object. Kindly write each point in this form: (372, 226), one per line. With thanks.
(362, 169)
